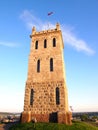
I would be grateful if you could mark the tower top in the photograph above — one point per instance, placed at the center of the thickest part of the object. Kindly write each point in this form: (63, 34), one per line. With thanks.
(44, 31)
(49, 31)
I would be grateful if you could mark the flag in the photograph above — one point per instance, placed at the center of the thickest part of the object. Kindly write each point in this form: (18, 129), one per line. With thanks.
(50, 13)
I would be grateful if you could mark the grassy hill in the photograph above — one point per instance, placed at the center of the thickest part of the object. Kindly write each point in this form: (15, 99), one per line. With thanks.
(54, 126)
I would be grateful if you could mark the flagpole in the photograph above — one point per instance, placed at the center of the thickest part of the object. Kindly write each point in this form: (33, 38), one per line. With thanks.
(49, 14)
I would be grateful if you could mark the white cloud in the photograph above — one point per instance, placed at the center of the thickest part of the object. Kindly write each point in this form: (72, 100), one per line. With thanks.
(79, 44)
(9, 44)
(30, 21)
(68, 36)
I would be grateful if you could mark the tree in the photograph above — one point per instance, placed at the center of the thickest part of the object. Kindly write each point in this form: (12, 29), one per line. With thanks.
(84, 117)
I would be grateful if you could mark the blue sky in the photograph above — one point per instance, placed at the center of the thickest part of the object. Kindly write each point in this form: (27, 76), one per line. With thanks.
(79, 25)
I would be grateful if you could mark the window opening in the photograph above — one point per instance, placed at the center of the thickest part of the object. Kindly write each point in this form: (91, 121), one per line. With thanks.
(36, 45)
(57, 96)
(51, 64)
(54, 42)
(31, 97)
(38, 66)
(45, 43)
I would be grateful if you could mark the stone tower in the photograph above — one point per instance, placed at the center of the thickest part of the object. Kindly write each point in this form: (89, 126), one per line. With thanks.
(46, 97)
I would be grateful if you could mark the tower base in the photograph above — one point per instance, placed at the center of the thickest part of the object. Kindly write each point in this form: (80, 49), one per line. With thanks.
(56, 117)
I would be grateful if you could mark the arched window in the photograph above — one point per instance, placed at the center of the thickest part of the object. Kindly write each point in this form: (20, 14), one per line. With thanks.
(31, 97)
(54, 42)
(51, 64)
(45, 43)
(38, 66)
(36, 45)
(57, 96)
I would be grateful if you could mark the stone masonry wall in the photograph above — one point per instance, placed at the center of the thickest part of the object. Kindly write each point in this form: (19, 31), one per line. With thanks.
(45, 97)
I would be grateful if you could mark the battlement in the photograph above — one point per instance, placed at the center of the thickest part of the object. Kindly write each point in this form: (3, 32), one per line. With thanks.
(45, 31)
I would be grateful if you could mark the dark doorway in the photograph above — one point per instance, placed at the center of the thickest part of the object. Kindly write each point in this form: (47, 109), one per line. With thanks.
(53, 117)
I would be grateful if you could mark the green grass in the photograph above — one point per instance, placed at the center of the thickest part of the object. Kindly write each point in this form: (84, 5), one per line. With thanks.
(54, 126)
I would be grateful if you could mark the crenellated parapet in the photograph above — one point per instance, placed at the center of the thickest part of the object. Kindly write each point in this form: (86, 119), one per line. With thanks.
(34, 32)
